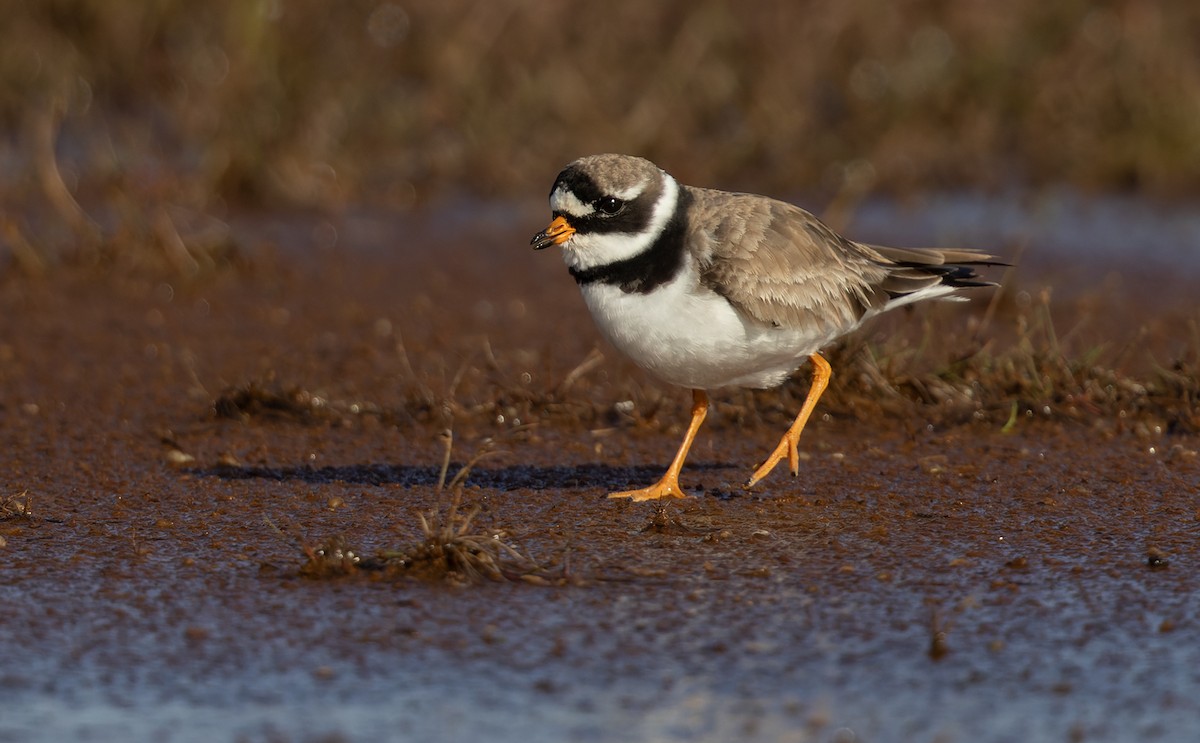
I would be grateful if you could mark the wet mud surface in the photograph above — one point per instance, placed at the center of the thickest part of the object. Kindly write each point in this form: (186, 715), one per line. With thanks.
(915, 582)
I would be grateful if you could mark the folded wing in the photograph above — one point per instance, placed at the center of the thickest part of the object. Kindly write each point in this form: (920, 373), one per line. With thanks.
(782, 266)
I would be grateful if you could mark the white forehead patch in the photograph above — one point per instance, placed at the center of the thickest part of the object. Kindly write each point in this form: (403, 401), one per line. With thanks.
(562, 200)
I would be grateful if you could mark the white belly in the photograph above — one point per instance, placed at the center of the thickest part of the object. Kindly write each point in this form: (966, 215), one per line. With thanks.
(686, 335)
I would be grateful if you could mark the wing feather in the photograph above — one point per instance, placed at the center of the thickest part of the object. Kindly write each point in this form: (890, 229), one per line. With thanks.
(782, 266)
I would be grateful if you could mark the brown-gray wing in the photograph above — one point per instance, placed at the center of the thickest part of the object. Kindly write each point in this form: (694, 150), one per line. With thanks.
(783, 266)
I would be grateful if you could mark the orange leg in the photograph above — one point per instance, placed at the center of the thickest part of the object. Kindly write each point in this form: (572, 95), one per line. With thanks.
(787, 445)
(668, 486)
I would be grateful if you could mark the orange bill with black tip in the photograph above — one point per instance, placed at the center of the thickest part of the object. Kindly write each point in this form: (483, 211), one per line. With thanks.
(556, 234)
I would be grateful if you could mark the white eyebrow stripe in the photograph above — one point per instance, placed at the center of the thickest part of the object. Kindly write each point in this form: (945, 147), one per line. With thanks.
(632, 192)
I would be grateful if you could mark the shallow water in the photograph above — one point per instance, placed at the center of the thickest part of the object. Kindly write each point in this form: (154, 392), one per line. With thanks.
(912, 584)
(1057, 223)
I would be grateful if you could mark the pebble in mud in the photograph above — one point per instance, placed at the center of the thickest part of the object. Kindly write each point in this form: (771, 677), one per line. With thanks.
(1156, 559)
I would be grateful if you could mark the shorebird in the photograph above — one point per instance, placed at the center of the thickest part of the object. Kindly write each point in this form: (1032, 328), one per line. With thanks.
(707, 289)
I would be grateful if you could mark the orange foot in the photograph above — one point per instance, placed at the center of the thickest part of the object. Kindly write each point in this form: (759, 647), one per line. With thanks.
(787, 444)
(664, 488)
(786, 447)
(668, 486)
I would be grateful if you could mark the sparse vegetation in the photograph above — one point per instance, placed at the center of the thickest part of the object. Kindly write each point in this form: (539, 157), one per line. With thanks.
(174, 360)
(134, 125)
(272, 401)
(424, 95)
(16, 506)
(942, 369)
(453, 547)
(1024, 372)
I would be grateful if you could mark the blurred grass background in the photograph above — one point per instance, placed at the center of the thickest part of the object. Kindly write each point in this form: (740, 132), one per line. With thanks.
(126, 126)
(267, 102)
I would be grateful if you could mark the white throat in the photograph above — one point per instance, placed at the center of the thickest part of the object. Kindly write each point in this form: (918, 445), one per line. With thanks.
(582, 252)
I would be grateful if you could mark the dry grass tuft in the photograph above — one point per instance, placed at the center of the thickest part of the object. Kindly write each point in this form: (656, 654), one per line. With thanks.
(453, 547)
(331, 558)
(1026, 372)
(273, 400)
(16, 506)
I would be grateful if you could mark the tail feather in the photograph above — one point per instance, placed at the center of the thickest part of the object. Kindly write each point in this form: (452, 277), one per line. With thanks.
(915, 271)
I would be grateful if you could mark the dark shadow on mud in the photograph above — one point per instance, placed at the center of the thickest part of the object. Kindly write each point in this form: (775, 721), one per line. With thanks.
(513, 477)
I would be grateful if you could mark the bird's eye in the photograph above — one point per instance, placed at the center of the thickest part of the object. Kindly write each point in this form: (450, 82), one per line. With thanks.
(610, 205)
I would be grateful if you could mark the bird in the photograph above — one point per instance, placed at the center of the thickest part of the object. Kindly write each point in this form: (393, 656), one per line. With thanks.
(707, 289)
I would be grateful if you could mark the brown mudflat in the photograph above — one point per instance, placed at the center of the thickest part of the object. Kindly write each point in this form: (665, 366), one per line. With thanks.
(920, 580)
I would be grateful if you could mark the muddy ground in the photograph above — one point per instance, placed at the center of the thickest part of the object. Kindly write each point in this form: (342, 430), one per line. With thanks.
(917, 581)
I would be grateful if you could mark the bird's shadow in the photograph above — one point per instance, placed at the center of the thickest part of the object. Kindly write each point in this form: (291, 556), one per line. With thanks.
(512, 477)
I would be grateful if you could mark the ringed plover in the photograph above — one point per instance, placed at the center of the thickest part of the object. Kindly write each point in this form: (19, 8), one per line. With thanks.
(707, 289)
